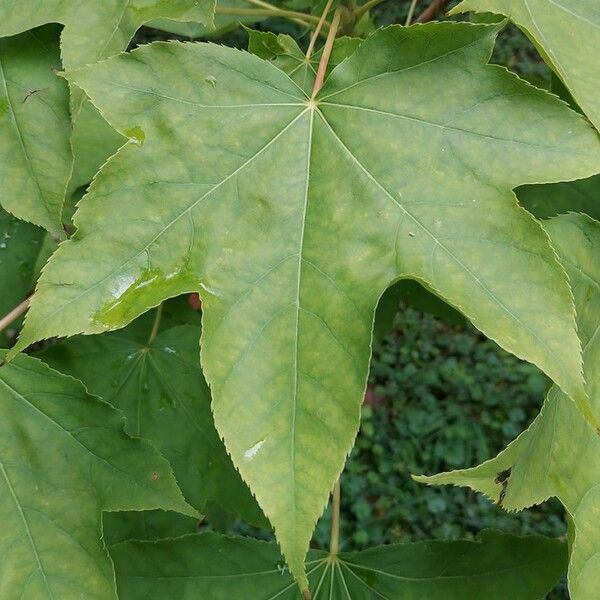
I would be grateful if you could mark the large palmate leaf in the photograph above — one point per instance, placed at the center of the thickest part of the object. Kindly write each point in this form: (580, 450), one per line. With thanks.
(496, 567)
(64, 458)
(291, 216)
(95, 30)
(549, 200)
(158, 385)
(567, 34)
(559, 455)
(35, 153)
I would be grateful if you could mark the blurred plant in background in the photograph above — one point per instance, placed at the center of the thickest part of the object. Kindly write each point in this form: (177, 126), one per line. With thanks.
(441, 397)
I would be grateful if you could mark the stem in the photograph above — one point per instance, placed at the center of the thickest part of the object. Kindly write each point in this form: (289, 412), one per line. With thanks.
(315, 35)
(14, 314)
(271, 6)
(334, 545)
(266, 12)
(155, 325)
(432, 11)
(366, 7)
(327, 51)
(411, 12)
(262, 3)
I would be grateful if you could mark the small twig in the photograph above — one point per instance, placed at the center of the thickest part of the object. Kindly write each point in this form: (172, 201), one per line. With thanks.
(317, 31)
(155, 325)
(14, 314)
(334, 545)
(335, 23)
(411, 12)
(366, 7)
(432, 11)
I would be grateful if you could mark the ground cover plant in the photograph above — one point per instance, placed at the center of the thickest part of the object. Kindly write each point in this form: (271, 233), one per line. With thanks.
(213, 238)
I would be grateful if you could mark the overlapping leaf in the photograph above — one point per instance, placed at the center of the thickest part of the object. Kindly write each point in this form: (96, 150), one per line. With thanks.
(95, 30)
(549, 200)
(496, 567)
(158, 385)
(559, 455)
(223, 23)
(291, 217)
(567, 33)
(24, 248)
(35, 152)
(64, 458)
(93, 142)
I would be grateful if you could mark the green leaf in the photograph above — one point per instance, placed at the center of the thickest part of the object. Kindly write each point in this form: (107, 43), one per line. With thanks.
(22, 247)
(222, 24)
(35, 152)
(559, 455)
(159, 386)
(149, 525)
(567, 34)
(549, 200)
(94, 141)
(292, 216)
(496, 567)
(64, 459)
(96, 30)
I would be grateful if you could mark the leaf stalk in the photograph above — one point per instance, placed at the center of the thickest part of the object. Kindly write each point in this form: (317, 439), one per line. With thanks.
(335, 24)
(317, 31)
(411, 12)
(334, 544)
(15, 313)
(155, 325)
